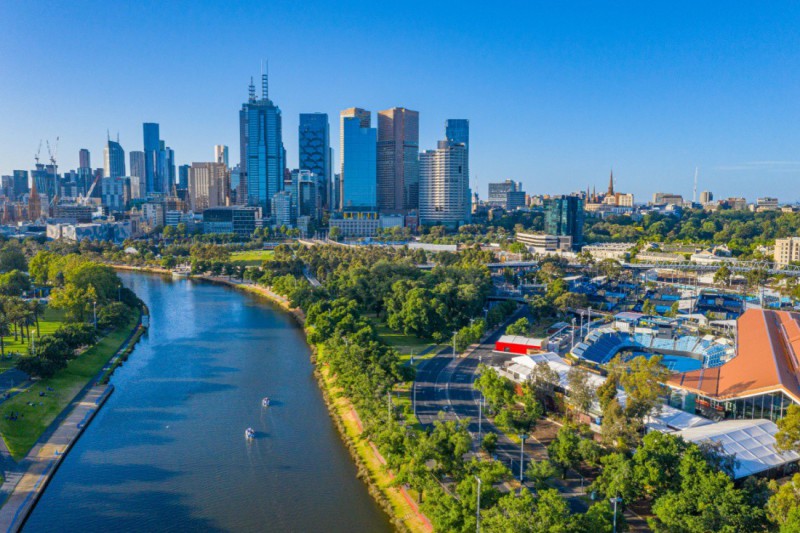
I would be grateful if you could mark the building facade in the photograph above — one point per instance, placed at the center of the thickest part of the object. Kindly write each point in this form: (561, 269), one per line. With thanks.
(114, 159)
(563, 216)
(786, 251)
(221, 154)
(208, 185)
(315, 155)
(398, 160)
(444, 185)
(358, 177)
(261, 147)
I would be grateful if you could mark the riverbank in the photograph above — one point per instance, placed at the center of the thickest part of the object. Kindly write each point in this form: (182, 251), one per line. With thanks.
(25, 485)
(395, 501)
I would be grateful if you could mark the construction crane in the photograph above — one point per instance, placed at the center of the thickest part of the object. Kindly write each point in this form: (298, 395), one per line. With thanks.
(38, 151)
(54, 162)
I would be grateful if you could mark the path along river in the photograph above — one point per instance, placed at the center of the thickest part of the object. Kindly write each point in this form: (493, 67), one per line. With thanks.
(167, 452)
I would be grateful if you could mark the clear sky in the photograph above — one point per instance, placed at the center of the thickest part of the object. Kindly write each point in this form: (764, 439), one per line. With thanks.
(557, 93)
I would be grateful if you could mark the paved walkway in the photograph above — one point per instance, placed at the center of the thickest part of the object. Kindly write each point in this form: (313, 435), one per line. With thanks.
(45, 457)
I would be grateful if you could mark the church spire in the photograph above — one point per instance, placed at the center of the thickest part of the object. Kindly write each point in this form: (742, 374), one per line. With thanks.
(611, 183)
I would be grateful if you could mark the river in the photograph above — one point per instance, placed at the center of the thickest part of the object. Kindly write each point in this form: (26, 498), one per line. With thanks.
(167, 452)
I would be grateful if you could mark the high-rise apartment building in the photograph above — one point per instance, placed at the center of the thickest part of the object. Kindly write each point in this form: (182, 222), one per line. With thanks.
(183, 177)
(398, 160)
(786, 251)
(358, 177)
(114, 159)
(115, 192)
(209, 185)
(457, 130)
(221, 154)
(315, 153)
(706, 197)
(444, 185)
(563, 216)
(261, 147)
(152, 145)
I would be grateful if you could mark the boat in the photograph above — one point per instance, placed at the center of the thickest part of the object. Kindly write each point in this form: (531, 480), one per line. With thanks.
(265, 402)
(249, 433)
(181, 272)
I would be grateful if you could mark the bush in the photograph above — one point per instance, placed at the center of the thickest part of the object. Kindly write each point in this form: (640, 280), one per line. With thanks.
(489, 443)
(76, 335)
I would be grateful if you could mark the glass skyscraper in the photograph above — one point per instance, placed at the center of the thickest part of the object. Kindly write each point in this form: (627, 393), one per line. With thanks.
(563, 216)
(261, 147)
(314, 145)
(152, 145)
(114, 159)
(358, 178)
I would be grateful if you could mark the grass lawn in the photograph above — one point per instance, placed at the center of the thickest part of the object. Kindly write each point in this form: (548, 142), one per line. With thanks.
(250, 257)
(20, 435)
(48, 323)
(407, 345)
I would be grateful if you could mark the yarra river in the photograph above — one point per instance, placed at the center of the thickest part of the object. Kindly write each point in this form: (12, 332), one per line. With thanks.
(167, 451)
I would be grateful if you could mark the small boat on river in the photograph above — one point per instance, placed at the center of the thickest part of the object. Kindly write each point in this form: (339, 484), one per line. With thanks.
(265, 402)
(249, 433)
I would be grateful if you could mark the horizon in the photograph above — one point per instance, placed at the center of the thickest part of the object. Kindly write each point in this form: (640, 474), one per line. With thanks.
(560, 95)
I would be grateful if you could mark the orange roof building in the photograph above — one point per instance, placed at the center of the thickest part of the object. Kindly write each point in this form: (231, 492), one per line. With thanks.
(761, 381)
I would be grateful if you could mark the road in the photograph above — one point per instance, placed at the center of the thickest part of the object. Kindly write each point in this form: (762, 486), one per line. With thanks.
(444, 384)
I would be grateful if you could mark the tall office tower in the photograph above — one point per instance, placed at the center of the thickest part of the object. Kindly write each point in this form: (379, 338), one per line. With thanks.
(358, 177)
(209, 185)
(138, 171)
(563, 216)
(151, 148)
(706, 197)
(444, 185)
(183, 177)
(498, 192)
(221, 154)
(336, 192)
(114, 159)
(84, 158)
(398, 160)
(314, 142)
(261, 147)
(165, 176)
(305, 194)
(20, 183)
(457, 130)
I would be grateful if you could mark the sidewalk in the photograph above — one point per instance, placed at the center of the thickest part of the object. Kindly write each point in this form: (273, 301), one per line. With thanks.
(44, 458)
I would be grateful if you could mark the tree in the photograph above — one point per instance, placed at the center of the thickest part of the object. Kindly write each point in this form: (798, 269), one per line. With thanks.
(619, 431)
(617, 478)
(657, 461)
(14, 283)
(706, 501)
(643, 381)
(334, 233)
(564, 450)
(489, 443)
(581, 391)
(590, 451)
(783, 508)
(723, 275)
(12, 258)
(543, 380)
(607, 391)
(112, 315)
(75, 301)
(520, 327)
(788, 436)
(540, 471)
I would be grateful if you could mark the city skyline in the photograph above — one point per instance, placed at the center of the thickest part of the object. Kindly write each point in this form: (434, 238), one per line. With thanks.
(558, 97)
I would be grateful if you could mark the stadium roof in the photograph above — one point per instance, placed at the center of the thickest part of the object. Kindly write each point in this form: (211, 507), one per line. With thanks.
(751, 441)
(767, 351)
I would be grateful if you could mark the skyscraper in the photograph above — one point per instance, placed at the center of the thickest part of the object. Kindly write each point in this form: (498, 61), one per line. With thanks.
(457, 130)
(221, 154)
(358, 178)
(314, 145)
(183, 177)
(444, 185)
(209, 185)
(261, 147)
(114, 159)
(398, 160)
(20, 183)
(165, 174)
(563, 216)
(84, 159)
(151, 149)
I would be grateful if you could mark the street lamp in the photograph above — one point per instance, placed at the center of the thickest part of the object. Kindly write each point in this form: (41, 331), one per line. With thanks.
(521, 456)
(478, 512)
(615, 501)
(573, 335)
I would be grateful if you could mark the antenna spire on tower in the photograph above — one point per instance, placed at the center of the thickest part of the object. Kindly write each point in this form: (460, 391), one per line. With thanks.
(265, 81)
(252, 90)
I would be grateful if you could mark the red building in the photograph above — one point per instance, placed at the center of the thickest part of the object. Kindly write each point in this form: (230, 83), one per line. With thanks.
(518, 345)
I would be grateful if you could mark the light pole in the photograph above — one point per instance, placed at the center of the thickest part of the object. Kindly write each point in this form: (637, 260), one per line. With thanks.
(455, 334)
(480, 417)
(573, 335)
(478, 512)
(615, 501)
(521, 456)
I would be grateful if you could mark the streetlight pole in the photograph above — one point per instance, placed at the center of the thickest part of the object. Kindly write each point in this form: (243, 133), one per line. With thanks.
(615, 501)
(572, 347)
(478, 512)
(521, 456)
(455, 333)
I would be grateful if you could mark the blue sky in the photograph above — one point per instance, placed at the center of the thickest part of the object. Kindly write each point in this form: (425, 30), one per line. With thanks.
(557, 92)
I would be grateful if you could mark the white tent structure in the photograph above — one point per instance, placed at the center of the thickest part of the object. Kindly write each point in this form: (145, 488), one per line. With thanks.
(751, 441)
